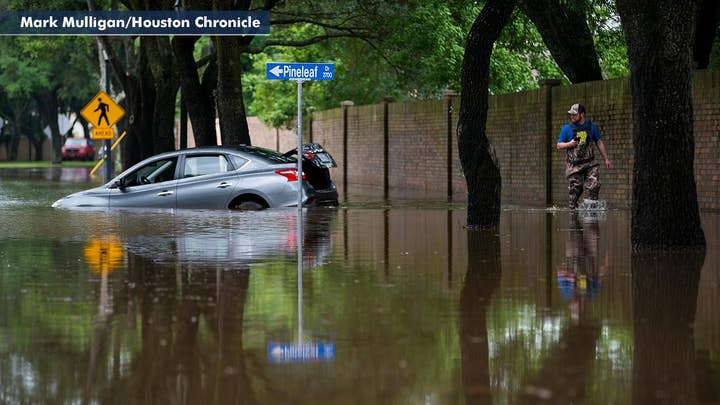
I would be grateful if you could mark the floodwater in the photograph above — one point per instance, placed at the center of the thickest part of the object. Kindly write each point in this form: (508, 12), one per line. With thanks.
(397, 304)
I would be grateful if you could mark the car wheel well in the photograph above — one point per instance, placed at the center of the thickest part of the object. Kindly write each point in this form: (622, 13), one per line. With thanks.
(247, 198)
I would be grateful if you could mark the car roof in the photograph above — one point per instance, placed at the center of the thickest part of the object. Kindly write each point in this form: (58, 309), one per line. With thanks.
(262, 153)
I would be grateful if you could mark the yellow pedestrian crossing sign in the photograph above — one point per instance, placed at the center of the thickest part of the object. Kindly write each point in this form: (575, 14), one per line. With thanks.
(102, 111)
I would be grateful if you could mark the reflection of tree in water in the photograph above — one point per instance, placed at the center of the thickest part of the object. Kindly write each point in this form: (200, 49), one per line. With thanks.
(42, 354)
(190, 336)
(665, 290)
(482, 279)
(563, 376)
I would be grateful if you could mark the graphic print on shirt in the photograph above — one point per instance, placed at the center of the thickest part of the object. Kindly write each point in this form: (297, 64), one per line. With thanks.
(583, 153)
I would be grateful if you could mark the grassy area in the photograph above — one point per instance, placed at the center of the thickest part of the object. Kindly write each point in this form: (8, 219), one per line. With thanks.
(29, 165)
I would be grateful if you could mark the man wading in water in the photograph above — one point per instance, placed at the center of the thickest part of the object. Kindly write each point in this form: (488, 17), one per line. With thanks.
(581, 169)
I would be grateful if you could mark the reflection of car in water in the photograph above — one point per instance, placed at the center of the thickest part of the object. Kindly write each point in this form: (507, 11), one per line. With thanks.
(77, 149)
(214, 237)
(241, 177)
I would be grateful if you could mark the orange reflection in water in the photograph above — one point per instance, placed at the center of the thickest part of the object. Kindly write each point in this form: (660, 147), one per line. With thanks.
(104, 256)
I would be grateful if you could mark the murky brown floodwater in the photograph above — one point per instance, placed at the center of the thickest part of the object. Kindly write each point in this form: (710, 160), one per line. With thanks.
(398, 304)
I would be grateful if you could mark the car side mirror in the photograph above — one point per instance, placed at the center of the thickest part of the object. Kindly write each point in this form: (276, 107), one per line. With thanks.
(120, 183)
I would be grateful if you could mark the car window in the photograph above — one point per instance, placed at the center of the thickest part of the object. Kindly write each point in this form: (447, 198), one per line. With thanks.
(157, 171)
(75, 142)
(237, 161)
(269, 156)
(205, 164)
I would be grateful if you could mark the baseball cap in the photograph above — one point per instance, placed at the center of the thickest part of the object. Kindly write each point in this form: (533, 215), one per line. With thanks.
(576, 109)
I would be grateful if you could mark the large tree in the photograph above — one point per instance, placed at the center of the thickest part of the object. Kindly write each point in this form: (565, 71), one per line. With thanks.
(665, 213)
(479, 163)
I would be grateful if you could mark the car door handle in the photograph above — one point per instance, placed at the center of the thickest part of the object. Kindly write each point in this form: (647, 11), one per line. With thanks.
(165, 193)
(224, 184)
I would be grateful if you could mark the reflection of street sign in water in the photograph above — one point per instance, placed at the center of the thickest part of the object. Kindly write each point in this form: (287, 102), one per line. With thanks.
(102, 111)
(104, 256)
(300, 353)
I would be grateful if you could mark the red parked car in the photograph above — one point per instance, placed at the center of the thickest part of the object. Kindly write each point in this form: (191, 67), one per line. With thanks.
(78, 149)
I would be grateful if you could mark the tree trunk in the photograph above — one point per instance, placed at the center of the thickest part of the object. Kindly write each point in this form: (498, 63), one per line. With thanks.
(230, 105)
(198, 98)
(665, 213)
(477, 157)
(37, 144)
(139, 105)
(563, 27)
(160, 61)
(49, 109)
(17, 131)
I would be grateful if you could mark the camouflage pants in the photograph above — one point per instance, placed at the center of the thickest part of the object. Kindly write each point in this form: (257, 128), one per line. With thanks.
(587, 179)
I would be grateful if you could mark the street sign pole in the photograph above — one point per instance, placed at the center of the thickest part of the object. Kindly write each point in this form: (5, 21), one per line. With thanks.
(108, 155)
(300, 214)
(300, 73)
(299, 132)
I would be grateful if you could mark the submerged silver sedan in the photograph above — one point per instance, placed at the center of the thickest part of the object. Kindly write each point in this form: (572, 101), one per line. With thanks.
(240, 177)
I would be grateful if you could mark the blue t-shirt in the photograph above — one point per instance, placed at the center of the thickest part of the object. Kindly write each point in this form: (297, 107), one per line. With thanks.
(568, 131)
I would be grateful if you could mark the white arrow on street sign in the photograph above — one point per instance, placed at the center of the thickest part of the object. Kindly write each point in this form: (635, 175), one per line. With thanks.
(276, 70)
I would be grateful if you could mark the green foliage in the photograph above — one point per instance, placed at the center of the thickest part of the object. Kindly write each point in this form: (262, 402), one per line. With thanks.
(32, 68)
(21, 71)
(410, 50)
(520, 58)
(416, 54)
(604, 23)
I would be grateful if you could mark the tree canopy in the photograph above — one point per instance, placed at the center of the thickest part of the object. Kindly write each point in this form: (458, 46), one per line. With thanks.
(409, 50)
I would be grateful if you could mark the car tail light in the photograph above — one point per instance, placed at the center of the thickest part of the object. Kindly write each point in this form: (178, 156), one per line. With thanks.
(309, 155)
(289, 174)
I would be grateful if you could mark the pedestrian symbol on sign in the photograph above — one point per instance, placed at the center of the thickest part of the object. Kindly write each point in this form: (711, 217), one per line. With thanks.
(103, 108)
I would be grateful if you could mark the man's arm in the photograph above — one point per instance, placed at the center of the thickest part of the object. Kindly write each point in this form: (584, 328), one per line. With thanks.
(565, 134)
(603, 152)
(567, 145)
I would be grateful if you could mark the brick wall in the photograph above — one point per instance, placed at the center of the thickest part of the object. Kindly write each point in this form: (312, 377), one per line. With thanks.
(706, 105)
(418, 147)
(26, 151)
(515, 128)
(522, 127)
